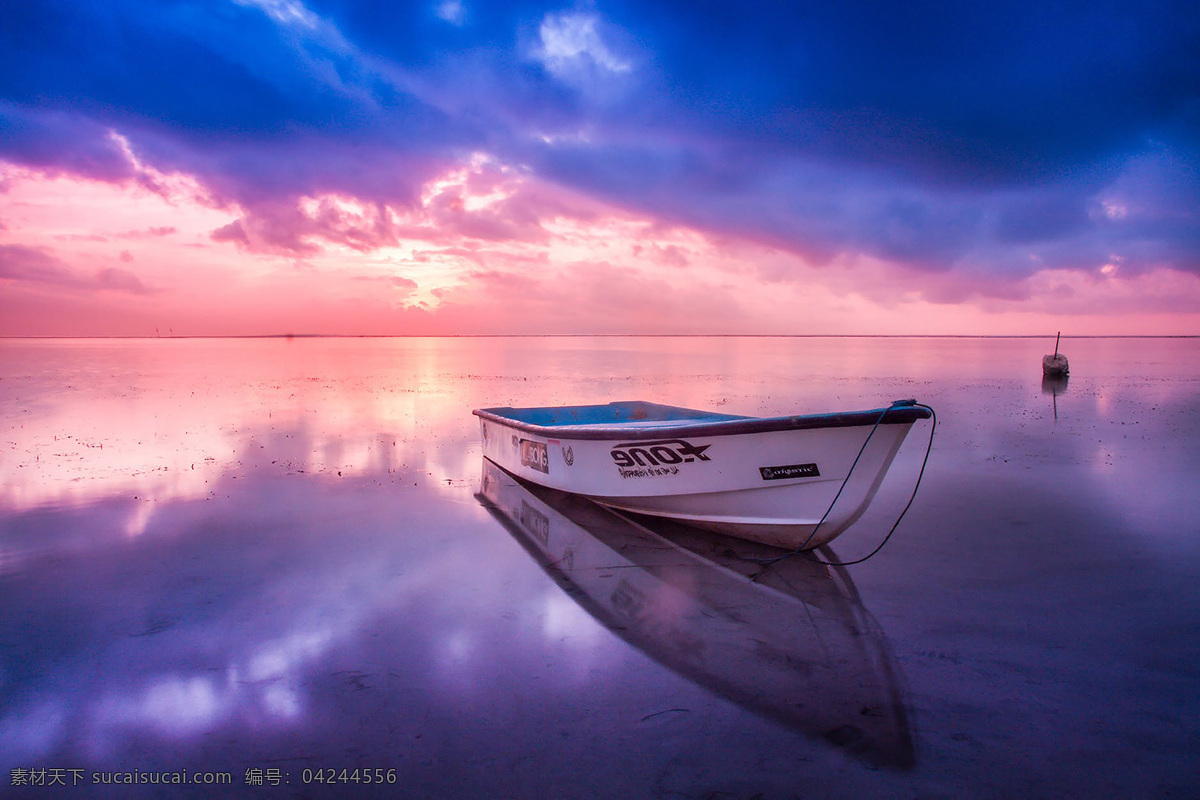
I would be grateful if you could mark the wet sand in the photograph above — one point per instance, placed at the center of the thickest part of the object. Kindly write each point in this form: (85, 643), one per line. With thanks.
(277, 558)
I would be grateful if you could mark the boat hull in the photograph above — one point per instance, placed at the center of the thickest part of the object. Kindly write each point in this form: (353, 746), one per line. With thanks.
(770, 481)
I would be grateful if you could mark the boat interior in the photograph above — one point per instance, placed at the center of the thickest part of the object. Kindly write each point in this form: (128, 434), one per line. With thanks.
(627, 413)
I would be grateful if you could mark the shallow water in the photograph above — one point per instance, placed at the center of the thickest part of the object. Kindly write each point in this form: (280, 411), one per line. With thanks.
(268, 558)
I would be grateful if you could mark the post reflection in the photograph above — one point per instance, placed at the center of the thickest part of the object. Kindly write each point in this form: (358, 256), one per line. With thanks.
(791, 642)
(1054, 386)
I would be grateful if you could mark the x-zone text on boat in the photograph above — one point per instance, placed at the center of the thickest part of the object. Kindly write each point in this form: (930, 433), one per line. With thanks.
(665, 451)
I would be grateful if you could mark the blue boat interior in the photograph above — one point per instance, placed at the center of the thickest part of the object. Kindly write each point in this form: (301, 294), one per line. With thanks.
(637, 419)
(630, 411)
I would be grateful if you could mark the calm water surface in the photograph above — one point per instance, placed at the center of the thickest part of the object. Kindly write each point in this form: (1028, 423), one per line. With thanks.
(277, 558)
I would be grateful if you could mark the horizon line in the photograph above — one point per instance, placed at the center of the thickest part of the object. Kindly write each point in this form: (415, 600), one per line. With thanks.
(622, 336)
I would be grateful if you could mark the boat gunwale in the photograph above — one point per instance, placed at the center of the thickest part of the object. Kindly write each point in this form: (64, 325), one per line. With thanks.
(894, 415)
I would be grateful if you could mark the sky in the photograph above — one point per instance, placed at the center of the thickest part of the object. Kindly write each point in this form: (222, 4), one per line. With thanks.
(256, 167)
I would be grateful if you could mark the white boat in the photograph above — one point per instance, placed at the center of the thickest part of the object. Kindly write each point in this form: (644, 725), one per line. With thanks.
(791, 642)
(771, 480)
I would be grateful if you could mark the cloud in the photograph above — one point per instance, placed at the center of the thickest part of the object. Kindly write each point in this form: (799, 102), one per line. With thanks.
(20, 263)
(398, 282)
(451, 11)
(120, 280)
(30, 265)
(588, 55)
(285, 12)
(572, 44)
(58, 142)
(154, 232)
(304, 227)
(967, 145)
(482, 200)
(670, 255)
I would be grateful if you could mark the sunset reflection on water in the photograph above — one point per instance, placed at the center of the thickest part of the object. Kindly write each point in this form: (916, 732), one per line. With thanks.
(239, 552)
(167, 419)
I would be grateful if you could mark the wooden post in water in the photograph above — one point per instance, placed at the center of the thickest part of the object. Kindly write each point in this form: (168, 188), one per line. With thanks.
(1055, 366)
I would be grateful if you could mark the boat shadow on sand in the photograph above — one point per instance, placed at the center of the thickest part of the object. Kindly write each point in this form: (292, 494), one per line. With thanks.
(791, 641)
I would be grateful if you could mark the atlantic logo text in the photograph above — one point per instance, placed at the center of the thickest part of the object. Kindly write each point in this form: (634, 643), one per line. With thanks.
(653, 454)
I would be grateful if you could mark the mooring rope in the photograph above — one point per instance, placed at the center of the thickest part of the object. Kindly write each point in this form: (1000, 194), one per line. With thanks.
(800, 551)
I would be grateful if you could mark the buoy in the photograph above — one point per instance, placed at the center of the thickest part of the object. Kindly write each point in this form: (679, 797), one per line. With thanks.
(1055, 366)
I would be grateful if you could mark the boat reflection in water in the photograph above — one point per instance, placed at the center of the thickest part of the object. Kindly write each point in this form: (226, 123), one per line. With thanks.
(790, 641)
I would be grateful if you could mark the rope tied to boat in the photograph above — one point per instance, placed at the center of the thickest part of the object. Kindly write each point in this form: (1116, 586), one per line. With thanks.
(800, 551)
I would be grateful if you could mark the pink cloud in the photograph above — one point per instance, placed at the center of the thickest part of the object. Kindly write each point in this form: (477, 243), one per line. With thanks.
(489, 249)
(21, 263)
(392, 281)
(149, 233)
(36, 266)
(120, 280)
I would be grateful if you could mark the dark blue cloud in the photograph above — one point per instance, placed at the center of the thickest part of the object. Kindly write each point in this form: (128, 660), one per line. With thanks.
(60, 141)
(958, 91)
(934, 134)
